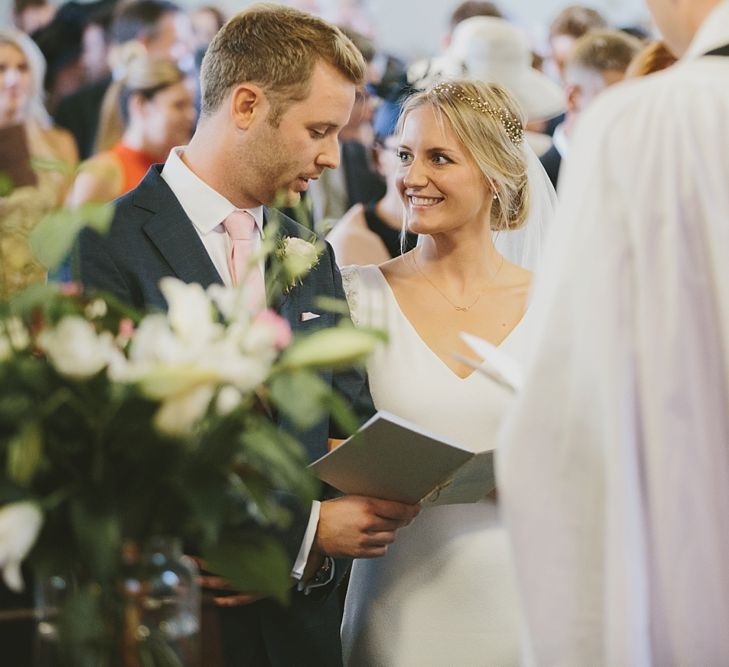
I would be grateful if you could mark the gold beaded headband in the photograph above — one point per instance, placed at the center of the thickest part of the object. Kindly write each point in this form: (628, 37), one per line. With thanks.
(511, 124)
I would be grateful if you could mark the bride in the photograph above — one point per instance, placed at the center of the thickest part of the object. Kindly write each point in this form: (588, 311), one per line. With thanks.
(445, 594)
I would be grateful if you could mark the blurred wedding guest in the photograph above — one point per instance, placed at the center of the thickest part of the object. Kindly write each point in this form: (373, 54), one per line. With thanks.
(598, 60)
(567, 27)
(495, 51)
(27, 131)
(638, 31)
(614, 463)
(151, 109)
(355, 180)
(206, 21)
(654, 57)
(424, 73)
(353, 14)
(370, 233)
(32, 15)
(60, 43)
(469, 9)
(445, 592)
(158, 28)
(95, 42)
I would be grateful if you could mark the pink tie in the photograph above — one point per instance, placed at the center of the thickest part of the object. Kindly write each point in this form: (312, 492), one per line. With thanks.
(241, 227)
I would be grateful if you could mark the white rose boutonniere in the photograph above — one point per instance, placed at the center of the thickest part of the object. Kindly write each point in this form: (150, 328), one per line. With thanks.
(298, 257)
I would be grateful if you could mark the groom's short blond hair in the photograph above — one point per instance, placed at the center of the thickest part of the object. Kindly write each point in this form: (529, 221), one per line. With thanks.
(275, 47)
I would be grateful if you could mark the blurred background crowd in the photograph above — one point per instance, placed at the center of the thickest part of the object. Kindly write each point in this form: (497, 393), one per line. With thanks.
(108, 87)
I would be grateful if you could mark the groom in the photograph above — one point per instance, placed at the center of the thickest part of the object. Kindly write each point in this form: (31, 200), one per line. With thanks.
(277, 87)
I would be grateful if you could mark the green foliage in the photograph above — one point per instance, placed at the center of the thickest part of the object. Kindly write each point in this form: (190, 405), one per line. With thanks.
(6, 184)
(91, 450)
(253, 563)
(301, 397)
(53, 237)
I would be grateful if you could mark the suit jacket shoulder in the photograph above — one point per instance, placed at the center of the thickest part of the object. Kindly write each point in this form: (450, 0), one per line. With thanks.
(150, 238)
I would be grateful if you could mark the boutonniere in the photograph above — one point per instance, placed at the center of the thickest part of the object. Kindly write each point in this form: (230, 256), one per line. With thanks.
(297, 257)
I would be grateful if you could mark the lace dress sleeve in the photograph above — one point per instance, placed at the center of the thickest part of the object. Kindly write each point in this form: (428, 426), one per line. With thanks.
(351, 284)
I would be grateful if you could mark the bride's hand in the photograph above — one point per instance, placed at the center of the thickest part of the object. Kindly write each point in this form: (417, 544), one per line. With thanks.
(360, 527)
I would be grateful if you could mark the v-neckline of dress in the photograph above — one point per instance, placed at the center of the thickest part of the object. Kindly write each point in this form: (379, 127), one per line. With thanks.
(417, 335)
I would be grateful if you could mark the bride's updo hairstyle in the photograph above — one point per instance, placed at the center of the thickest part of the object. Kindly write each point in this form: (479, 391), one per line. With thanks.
(490, 125)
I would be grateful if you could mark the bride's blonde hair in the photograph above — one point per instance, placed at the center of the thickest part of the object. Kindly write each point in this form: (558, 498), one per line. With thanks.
(489, 123)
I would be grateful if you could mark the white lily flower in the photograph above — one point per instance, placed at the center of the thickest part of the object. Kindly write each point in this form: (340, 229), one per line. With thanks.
(14, 337)
(267, 333)
(234, 365)
(190, 311)
(75, 349)
(178, 416)
(230, 301)
(16, 333)
(228, 400)
(163, 382)
(20, 524)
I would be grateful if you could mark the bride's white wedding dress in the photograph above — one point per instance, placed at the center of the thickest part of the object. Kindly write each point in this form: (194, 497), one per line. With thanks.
(445, 593)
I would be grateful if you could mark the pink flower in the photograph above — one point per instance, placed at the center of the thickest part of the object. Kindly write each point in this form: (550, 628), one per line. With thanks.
(279, 326)
(70, 289)
(126, 328)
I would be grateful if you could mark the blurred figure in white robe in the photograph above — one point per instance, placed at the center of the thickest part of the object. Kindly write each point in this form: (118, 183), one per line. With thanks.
(614, 463)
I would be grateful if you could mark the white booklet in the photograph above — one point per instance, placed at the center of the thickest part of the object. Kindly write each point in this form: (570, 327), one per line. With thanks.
(394, 459)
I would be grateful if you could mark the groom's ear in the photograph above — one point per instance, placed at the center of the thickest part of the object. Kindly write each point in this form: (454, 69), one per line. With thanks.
(247, 105)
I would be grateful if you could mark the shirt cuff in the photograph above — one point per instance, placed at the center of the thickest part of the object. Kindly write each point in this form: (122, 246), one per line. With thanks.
(298, 570)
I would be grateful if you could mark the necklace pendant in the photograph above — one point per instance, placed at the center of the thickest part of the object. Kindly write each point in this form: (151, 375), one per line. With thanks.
(463, 309)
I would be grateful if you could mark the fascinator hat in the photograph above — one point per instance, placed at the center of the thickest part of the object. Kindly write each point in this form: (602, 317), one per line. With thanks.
(492, 50)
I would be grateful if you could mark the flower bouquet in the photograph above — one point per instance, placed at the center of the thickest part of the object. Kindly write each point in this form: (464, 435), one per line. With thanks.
(117, 427)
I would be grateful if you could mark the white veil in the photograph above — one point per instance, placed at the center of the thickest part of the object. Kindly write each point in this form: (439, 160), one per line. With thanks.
(524, 246)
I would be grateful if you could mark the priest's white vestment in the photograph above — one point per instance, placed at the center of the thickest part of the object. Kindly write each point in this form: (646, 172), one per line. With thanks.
(614, 462)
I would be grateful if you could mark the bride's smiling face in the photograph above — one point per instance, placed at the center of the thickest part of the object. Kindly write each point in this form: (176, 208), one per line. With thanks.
(439, 182)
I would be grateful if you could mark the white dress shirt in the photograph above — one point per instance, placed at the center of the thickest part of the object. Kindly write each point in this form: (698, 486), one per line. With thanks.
(207, 209)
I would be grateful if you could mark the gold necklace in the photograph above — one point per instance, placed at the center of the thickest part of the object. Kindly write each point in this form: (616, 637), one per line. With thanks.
(462, 309)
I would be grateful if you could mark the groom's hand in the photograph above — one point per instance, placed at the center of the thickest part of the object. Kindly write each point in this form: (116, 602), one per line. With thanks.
(360, 527)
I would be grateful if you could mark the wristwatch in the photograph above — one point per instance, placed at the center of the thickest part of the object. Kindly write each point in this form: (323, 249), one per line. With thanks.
(324, 574)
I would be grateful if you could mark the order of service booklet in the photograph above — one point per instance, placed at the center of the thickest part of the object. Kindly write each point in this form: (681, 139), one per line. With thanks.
(394, 459)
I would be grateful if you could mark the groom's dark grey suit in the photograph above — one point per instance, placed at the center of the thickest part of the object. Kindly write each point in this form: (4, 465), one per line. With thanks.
(151, 237)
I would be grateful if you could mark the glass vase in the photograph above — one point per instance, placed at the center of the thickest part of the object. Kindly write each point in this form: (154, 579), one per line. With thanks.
(161, 614)
(151, 618)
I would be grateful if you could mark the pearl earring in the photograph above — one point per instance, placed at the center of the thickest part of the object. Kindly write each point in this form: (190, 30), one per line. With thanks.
(496, 195)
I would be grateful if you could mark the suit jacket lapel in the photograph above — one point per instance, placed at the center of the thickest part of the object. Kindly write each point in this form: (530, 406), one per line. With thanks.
(172, 232)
